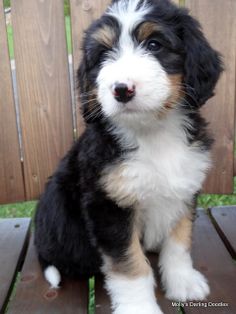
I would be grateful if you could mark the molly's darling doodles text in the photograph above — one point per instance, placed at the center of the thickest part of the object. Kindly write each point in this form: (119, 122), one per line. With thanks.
(200, 304)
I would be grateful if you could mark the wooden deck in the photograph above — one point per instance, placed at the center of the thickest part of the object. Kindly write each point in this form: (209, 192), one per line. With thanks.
(23, 289)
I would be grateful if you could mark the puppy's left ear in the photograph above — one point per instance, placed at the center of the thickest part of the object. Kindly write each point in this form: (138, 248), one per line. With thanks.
(202, 63)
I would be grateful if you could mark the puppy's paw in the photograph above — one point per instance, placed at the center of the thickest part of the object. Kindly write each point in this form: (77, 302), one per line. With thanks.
(188, 284)
(144, 308)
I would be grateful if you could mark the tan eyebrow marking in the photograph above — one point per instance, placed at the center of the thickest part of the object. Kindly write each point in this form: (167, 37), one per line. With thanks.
(105, 35)
(146, 29)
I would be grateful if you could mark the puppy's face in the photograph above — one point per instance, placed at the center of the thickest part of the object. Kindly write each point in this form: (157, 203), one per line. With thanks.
(140, 68)
(137, 60)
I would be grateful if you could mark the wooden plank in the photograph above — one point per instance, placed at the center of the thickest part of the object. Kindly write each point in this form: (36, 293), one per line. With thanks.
(34, 296)
(225, 222)
(43, 85)
(212, 258)
(220, 110)
(82, 14)
(11, 183)
(102, 301)
(13, 240)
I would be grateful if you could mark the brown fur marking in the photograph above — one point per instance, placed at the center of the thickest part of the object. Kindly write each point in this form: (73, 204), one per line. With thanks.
(146, 29)
(134, 263)
(116, 183)
(105, 35)
(176, 93)
(182, 231)
(176, 90)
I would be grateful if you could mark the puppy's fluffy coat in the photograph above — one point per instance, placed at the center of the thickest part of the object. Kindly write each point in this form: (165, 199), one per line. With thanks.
(129, 183)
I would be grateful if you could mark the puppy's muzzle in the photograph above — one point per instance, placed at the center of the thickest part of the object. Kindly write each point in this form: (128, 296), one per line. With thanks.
(123, 93)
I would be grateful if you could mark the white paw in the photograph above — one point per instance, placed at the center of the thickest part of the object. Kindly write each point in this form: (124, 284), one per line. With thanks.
(188, 284)
(144, 308)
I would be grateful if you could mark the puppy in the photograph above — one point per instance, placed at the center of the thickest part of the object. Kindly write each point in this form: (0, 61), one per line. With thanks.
(129, 184)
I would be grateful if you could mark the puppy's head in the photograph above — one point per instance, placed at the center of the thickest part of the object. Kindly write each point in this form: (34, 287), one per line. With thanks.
(145, 57)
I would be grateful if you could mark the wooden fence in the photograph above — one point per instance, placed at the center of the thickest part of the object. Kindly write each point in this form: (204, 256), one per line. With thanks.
(44, 91)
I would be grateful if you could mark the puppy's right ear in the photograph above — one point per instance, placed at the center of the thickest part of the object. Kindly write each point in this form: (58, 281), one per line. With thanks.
(82, 77)
(83, 86)
(87, 93)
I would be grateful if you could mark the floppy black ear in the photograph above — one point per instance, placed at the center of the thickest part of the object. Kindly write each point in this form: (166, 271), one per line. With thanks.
(202, 63)
(83, 89)
(82, 86)
(87, 93)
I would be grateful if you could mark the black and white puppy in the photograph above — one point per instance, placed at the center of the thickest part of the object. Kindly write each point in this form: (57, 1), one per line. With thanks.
(129, 184)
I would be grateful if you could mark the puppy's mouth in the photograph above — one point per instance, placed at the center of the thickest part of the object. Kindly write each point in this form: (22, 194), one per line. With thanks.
(128, 108)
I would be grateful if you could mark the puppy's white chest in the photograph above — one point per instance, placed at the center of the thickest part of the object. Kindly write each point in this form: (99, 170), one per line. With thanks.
(164, 174)
(158, 179)
(165, 166)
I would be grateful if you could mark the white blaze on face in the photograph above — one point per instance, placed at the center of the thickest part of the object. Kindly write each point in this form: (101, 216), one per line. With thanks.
(132, 65)
(129, 15)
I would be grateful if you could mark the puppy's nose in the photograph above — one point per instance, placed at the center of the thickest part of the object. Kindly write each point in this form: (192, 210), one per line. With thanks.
(123, 93)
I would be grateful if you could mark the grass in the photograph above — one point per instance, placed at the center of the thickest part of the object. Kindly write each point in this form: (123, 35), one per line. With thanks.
(10, 41)
(91, 295)
(6, 3)
(211, 200)
(24, 209)
(207, 201)
(68, 34)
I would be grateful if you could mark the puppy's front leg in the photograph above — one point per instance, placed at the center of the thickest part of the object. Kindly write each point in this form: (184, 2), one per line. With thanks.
(130, 281)
(180, 280)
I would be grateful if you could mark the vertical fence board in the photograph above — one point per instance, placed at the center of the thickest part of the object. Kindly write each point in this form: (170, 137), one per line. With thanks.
(218, 20)
(82, 14)
(11, 179)
(44, 88)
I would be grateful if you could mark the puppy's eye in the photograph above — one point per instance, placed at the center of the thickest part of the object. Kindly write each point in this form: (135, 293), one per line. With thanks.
(153, 45)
